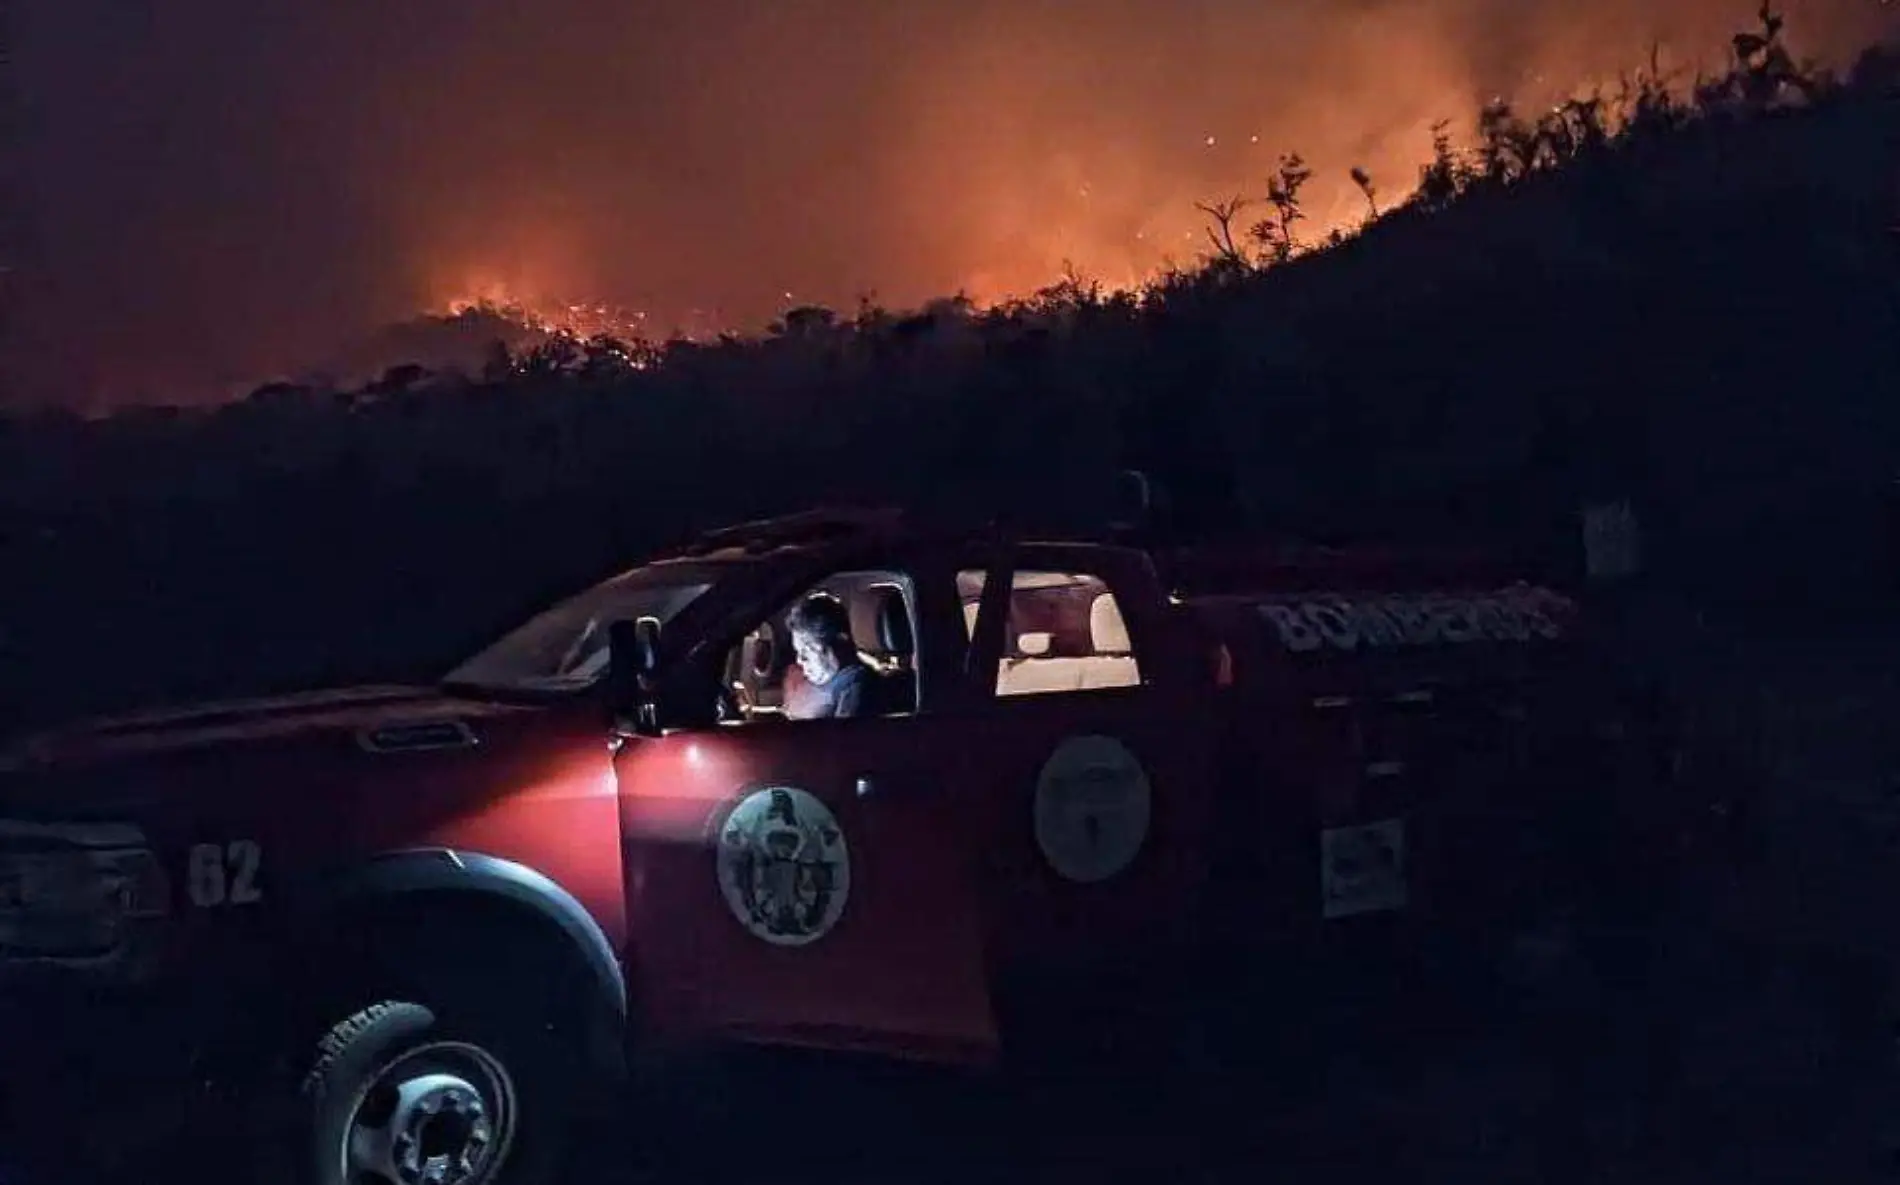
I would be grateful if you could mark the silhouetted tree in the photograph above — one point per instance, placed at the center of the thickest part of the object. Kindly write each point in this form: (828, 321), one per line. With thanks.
(1276, 235)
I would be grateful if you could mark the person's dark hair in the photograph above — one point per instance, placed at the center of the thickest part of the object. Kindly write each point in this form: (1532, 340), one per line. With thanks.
(821, 616)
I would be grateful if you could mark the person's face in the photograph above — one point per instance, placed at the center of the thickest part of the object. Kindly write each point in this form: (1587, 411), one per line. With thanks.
(816, 658)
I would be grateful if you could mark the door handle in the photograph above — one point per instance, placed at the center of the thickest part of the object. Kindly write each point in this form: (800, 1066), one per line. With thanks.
(878, 783)
(873, 783)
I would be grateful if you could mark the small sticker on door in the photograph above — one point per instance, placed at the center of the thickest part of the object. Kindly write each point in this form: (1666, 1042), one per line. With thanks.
(1362, 869)
(784, 866)
(1093, 803)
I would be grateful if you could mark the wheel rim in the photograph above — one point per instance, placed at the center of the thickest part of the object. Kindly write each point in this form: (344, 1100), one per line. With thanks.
(441, 1114)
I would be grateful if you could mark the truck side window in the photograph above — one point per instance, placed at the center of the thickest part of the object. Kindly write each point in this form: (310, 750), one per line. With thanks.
(1065, 633)
(764, 677)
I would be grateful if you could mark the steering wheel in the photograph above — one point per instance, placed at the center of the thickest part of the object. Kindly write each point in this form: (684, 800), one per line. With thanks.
(731, 704)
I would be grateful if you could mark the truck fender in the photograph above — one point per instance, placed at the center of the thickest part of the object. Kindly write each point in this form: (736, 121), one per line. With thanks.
(398, 874)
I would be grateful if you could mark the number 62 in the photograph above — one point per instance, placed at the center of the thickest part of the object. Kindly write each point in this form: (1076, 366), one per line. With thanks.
(223, 874)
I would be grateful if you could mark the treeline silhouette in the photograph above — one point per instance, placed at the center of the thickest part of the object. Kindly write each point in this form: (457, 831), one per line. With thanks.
(1683, 292)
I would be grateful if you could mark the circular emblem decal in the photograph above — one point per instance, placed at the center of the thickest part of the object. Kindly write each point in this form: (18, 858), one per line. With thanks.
(783, 866)
(1092, 808)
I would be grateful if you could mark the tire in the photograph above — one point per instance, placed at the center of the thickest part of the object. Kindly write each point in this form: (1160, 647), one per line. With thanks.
(396, 1090)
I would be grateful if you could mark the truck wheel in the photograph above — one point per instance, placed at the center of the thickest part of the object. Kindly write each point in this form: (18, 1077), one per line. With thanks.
(398, 1096)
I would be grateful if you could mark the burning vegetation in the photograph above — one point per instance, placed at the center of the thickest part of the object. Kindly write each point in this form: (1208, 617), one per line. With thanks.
(1241, 234)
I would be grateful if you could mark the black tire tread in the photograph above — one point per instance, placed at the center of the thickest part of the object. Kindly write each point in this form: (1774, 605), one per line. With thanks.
(337, 1042)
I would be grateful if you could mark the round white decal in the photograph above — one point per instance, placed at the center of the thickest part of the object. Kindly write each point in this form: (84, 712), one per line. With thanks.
(1092, 808)
(784, 866)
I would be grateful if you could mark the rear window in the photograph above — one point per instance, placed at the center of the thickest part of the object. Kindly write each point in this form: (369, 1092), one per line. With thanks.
(1065, 633)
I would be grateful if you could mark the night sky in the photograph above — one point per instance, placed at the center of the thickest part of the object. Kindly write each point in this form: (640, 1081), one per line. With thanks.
(218, 191)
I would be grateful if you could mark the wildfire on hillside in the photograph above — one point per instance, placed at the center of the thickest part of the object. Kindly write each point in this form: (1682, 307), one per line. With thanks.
(553, 317)
(583, 167)
(580, 320)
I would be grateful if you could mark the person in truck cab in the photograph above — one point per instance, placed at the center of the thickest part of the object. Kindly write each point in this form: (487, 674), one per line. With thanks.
(836, 679)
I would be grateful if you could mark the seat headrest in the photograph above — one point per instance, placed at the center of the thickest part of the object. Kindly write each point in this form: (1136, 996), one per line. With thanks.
(1107, 631)
(893, 621)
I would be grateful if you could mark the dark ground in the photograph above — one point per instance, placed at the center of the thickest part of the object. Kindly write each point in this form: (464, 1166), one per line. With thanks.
(1772, 1087)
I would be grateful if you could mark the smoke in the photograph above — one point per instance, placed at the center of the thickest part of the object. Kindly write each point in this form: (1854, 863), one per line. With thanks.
(220, 190)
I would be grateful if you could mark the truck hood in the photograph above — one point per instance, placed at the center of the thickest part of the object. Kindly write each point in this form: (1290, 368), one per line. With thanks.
(382, 719)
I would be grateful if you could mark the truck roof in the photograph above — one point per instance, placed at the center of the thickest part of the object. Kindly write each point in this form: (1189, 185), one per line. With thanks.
(1235, 565)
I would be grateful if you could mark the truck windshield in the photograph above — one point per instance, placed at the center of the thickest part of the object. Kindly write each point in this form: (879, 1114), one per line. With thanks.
(565, 648)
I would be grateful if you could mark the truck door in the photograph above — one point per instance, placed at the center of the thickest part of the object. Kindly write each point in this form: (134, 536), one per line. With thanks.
(1095, 768)
(806, 882)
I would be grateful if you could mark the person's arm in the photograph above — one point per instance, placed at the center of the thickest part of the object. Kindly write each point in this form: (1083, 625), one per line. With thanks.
(796, 695)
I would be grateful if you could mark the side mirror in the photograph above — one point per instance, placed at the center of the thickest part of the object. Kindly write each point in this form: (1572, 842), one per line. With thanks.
(646, 643)
(633, 654)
